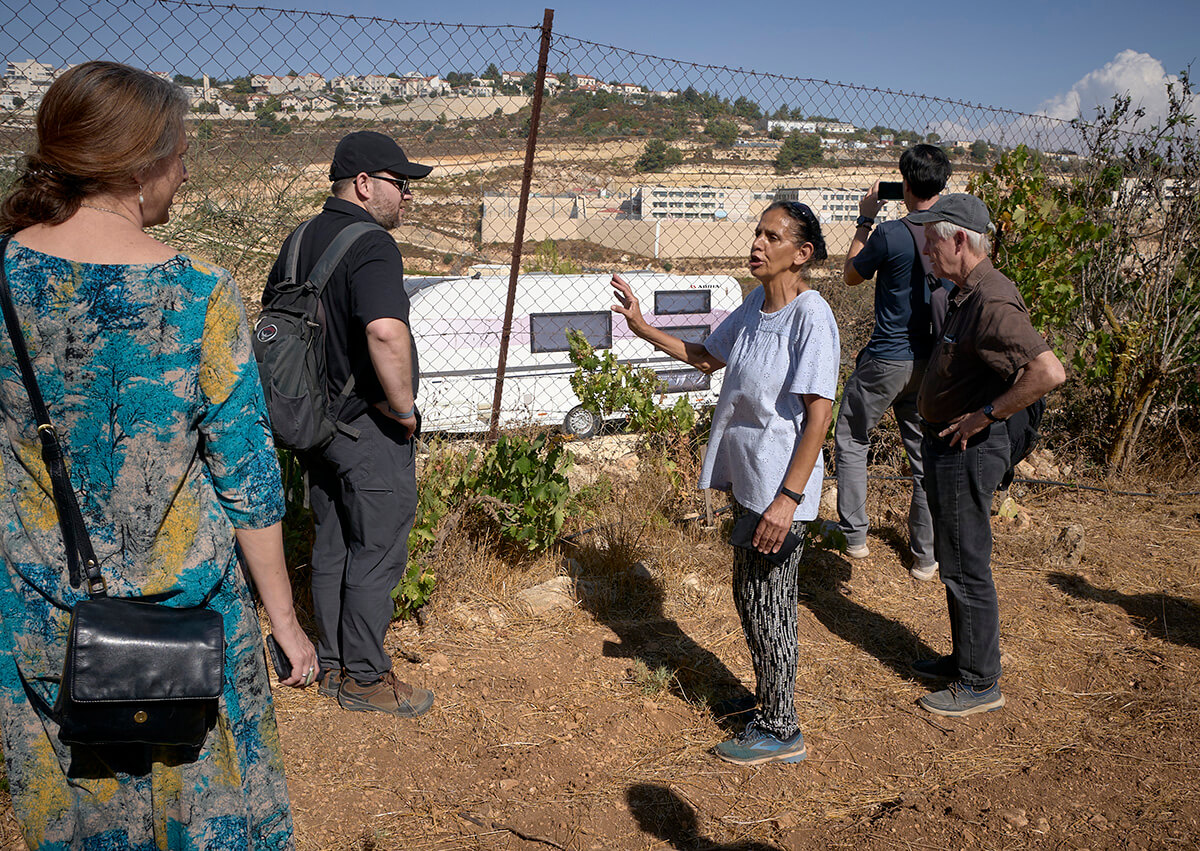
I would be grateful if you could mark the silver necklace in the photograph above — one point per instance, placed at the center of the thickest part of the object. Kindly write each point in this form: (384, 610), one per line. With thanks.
(106, 210)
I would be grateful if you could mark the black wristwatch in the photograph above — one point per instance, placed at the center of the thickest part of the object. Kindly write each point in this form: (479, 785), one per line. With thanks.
(865, 222)
(988, 410)
(792, 495)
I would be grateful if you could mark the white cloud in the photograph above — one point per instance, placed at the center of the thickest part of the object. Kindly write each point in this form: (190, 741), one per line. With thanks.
(1138, 75)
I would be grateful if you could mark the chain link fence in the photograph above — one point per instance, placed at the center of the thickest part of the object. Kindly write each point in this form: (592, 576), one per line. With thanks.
(653, 167)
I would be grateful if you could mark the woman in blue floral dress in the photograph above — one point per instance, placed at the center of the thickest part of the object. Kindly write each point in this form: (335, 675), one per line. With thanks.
(144, 360)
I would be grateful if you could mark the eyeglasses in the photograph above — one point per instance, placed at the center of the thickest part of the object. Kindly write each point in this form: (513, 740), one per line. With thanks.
(400, 183)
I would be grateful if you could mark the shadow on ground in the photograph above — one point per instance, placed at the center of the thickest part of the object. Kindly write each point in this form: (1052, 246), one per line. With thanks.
(660, 812)
(1164, 616)
(629, 601)
(823, 586)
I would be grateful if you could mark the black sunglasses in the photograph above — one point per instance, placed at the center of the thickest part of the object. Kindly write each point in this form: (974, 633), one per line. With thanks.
(400, 183)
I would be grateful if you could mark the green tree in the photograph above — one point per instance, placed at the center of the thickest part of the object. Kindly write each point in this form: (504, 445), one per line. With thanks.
(1127, 299)
(657, 156)
(979, 150)
(723, 133)
(747, 109)
(799, 151)
(492, 73)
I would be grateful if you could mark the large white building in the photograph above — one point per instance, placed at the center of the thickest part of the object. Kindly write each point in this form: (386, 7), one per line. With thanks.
(26, 81)
(273, 85)
(711, 203)
(811, 126)
(830, 203)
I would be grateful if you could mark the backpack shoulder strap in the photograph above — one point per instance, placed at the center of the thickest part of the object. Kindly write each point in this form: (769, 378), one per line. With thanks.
(289, 269)
(320, 274)
(319, 277)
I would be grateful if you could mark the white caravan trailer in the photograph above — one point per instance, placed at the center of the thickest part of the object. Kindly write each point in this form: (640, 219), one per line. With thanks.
(458, 321)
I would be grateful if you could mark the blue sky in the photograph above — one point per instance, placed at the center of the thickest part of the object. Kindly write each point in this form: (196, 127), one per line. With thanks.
(1064, 56)
(1015, 54)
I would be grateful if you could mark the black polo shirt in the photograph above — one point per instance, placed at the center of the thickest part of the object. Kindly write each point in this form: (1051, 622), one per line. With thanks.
(367, 285)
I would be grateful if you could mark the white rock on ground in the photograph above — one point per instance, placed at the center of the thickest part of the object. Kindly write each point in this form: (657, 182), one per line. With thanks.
(556, 593)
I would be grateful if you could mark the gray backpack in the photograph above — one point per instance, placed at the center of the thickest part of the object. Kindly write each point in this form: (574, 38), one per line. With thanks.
(289, 347)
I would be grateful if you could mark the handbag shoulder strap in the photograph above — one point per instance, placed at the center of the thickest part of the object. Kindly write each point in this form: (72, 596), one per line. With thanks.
(75, 534)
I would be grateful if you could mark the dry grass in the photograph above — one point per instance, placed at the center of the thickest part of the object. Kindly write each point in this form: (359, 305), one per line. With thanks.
(555, 727)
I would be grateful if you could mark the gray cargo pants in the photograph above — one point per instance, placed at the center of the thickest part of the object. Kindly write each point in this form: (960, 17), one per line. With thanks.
(875, 386)
(364, 498)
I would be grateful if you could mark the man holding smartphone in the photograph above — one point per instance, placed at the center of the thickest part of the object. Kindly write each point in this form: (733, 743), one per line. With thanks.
(889, 370)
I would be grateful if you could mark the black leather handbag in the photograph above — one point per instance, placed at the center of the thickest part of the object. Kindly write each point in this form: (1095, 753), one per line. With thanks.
(135, 672)
(140, 673)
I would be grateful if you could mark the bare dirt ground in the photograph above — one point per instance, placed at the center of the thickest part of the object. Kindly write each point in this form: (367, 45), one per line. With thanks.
(545, 734)
(554, 732)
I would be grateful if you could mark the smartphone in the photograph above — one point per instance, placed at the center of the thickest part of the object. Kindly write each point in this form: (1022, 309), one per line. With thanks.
(279, 659)
(890, 190)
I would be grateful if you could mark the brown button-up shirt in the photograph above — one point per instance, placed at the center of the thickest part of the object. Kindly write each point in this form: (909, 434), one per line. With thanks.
(986, 338)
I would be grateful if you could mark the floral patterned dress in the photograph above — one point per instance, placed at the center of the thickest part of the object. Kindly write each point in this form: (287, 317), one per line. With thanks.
(149, 377)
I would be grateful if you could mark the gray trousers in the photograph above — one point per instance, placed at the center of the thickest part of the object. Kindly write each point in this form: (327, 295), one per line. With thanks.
(364, 498)
(875, 386)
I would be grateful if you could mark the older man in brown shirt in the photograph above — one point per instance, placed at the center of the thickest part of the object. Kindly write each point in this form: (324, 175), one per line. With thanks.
(988, 364)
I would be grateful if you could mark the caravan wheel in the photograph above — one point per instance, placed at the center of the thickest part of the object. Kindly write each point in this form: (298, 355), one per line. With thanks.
(581, 422)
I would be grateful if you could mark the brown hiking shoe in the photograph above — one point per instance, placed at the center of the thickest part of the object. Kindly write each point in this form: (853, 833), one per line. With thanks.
(329, 682)
(388, 695)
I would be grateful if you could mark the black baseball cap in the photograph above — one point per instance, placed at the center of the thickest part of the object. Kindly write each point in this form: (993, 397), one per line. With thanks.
(368, 151)
(958, 208)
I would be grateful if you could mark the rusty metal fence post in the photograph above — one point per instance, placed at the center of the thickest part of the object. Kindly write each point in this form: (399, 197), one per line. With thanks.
(519, 236)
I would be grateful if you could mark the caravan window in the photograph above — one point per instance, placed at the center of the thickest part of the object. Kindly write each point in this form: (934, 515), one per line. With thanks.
(688, 333)
(548, 331)
(670, 302)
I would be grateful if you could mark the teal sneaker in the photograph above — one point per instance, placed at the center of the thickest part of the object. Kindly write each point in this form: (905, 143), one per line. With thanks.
(754, 747)
(960, 699)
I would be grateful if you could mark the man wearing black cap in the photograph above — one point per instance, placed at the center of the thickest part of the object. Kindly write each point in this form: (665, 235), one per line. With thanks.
(988, 364)
(363, 483)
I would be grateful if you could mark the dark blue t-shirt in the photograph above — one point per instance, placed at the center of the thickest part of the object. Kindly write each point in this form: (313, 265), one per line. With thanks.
(903, 329)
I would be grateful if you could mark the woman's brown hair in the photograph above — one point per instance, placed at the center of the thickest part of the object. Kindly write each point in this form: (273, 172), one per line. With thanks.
(99, 125)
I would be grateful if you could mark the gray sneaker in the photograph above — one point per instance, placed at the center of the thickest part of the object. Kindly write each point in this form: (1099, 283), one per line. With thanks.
(960, 699)
(924, 572)
(387, 694)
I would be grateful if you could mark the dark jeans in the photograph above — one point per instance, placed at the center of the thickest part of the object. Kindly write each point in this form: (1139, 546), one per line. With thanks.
(960, 484)
(364, 498)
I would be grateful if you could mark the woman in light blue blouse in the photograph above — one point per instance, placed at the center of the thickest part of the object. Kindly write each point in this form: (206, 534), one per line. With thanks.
(144, 359)
(780, 352)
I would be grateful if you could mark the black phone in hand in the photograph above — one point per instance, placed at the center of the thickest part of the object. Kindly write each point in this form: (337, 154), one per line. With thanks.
(279, 659)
